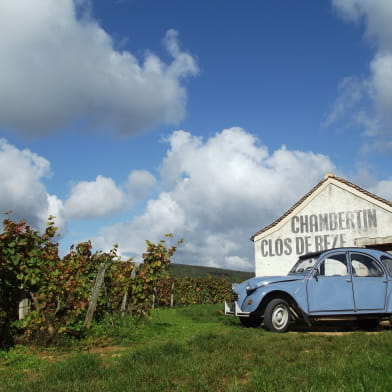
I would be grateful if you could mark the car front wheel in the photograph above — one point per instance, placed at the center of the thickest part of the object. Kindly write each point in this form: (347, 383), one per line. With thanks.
(277, 315)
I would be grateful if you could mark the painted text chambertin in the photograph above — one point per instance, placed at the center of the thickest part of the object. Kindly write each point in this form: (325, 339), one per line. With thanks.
(318, 232)
(335, 213)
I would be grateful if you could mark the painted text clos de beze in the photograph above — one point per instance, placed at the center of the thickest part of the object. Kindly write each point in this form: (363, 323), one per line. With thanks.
(328, 226)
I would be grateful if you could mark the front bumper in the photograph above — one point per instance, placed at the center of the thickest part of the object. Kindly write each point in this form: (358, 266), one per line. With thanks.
(233, 309)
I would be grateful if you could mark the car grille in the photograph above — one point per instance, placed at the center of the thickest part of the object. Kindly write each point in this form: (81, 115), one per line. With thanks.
(234, 296)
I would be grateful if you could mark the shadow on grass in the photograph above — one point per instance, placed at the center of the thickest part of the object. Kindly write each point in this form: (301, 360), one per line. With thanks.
(330, 326)
(324, 326)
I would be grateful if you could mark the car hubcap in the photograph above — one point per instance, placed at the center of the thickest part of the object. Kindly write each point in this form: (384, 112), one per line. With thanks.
(280, 317)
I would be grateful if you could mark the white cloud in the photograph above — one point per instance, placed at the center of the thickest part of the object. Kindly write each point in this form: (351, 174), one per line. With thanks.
(22, 191)
(103, 197)
(236, 263)
(21, 187)
(351, 93)
(91, 199)
(56, 210)
(140, 182)
(381, 79)
(375, 14)
(383, 188)
(218, 193)
(367, 102)
(57, 68)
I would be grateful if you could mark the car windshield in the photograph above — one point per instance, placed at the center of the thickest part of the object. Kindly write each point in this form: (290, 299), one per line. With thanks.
(304, 265)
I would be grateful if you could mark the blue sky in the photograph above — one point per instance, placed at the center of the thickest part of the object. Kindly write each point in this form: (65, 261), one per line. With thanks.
(129, 119)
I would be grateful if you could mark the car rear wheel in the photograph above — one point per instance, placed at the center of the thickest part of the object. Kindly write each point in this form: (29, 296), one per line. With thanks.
(277, 315)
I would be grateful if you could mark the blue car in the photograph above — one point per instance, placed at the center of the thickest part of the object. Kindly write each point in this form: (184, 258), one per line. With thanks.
(343, 283)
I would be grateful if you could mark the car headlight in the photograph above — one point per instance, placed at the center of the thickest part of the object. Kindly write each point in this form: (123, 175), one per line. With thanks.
(250, 289)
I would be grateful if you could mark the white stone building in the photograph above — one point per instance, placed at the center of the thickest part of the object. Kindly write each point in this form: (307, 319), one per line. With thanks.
(335, 213)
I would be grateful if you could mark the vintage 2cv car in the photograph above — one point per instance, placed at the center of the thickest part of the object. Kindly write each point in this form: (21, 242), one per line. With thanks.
(342, 283)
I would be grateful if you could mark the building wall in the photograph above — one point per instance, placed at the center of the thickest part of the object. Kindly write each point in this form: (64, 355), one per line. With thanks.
(333, 217)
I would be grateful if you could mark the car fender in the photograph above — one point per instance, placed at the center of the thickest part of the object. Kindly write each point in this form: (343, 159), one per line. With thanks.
(296, 291)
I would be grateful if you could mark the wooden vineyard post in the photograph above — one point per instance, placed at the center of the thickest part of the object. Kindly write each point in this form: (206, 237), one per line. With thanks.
(94, 297)
(124, 304)
(125, 297)
(154, 297)
(172, 295)
(23, 308)
(24, 304)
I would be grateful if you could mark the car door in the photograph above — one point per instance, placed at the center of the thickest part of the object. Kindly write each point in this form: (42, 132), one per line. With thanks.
(330, 288)
(369, 282)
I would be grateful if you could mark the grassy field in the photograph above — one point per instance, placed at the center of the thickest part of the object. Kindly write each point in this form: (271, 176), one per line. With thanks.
(199, 349)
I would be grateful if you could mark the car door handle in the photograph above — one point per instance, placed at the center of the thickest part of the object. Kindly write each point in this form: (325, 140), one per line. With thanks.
(348, 280)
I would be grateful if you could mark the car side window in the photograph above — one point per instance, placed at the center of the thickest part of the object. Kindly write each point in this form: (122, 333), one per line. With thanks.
(365, 266)
(334, 265)
(388, 263)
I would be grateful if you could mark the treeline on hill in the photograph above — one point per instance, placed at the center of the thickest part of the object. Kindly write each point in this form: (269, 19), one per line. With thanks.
(59, 290)
(196, 271)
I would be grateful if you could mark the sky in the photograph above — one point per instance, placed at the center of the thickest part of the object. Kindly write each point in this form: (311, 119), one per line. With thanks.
(130, 119)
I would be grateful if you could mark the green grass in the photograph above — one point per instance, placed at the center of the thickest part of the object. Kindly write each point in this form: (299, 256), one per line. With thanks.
(199, 349)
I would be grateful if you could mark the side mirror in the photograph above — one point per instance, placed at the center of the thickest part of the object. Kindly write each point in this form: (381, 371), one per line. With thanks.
(316, 273)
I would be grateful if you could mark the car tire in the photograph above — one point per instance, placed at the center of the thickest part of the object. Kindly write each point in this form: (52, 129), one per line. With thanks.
(277, 316)
(251, 322)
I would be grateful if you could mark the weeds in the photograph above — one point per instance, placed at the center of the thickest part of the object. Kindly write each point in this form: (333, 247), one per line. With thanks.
(19, 357)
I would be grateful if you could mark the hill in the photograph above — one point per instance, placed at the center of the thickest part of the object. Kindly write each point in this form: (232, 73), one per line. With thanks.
(195, 271)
